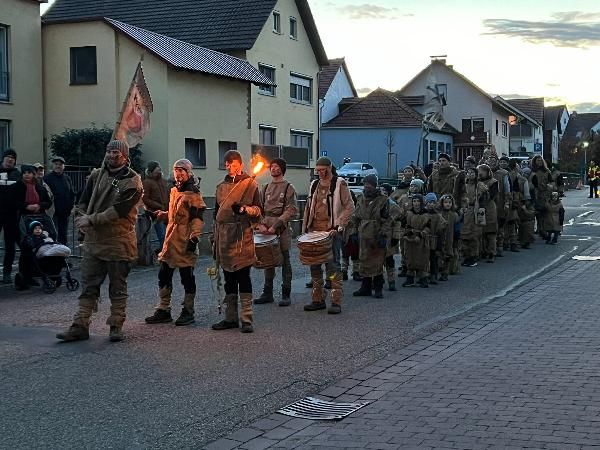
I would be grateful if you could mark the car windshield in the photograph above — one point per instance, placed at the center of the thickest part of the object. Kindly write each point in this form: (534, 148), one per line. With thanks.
(352, 166)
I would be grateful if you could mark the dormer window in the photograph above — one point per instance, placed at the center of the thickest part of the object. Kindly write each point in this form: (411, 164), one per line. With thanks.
(276, 22)
(293, 28)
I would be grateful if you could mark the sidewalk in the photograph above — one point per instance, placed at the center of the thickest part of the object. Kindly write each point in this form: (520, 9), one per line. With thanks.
(521, 372)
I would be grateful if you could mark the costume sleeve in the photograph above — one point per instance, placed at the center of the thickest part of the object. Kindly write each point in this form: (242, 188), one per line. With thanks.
(149, 203)
(126, 200)
(254, 210)
(197, 216)
(86, 195)
(347, 204)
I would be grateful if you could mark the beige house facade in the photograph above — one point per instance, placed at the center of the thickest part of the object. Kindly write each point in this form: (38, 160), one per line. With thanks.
(278, 38)
(21, 120)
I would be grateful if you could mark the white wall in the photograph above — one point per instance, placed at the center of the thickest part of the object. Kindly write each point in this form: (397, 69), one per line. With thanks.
(340, 88)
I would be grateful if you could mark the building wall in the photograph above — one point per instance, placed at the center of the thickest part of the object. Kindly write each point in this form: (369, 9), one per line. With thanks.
(502, 143)
(286, 55)
(79, 106)
(368, 145)
(24, 108)
(340, 88)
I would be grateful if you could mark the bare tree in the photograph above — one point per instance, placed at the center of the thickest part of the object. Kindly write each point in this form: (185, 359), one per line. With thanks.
(390, 142)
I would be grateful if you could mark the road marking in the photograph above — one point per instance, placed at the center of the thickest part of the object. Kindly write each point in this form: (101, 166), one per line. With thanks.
(587, 213)
(586, 258)
(489, 298)
(593, 224)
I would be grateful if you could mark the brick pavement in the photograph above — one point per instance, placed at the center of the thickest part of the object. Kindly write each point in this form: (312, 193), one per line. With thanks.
(519, 372)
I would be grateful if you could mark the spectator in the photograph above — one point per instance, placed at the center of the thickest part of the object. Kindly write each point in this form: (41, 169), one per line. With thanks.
(39, 175)
(592, 173)
(156, 197)
(9, 176)
(32, 200)
(64, 197)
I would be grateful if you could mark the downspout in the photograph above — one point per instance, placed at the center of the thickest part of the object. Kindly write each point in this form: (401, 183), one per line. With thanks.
(319, 115)
(44, 102)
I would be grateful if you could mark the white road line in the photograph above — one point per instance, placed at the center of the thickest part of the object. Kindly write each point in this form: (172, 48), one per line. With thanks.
(587, 213)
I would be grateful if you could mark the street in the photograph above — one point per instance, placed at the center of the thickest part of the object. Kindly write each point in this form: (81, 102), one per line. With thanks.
(184, 387)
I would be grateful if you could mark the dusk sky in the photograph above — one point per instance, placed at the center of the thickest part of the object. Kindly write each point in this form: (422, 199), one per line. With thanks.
(546, 48)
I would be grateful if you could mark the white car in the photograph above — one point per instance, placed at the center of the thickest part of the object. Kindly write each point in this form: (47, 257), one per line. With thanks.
(354, 172)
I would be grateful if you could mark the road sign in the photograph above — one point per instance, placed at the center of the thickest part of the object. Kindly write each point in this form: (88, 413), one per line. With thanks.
(323, 152)
(537, 147)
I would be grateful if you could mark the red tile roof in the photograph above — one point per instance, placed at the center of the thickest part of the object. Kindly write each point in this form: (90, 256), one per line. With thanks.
(533, 107)
(329, 72)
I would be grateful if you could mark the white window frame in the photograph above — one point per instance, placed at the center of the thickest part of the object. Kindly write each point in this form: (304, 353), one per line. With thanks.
(304, 82)
(504, 129)
(268, 90)
(304, 134)
(262, 127)
(293, 20)
(276, 22)
(5, 63)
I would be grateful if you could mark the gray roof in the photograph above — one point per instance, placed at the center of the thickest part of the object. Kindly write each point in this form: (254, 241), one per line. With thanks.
(224, 25)
(192, 57)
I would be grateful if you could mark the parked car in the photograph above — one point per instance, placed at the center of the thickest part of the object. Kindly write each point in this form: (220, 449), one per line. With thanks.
(354, 172)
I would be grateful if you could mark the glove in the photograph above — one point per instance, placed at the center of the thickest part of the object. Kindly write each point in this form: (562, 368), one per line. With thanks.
(238, 209)
(354, 238)
(381, 241)
(192, 244)
(395, 242)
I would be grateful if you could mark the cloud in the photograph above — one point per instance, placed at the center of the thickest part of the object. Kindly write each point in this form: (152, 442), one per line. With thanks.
(370, 11)
(364, 91)
(586, 107)
(575, 29)
(552, 84)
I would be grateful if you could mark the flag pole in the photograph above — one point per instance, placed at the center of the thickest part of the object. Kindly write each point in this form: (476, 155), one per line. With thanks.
(118, 124)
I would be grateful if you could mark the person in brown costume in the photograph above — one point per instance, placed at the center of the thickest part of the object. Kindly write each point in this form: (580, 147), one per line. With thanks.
(393, 247)
(371, 221)
(416, 237)
(443, 180)
(237, 211)
(541, 186)
(451, 239)
(526, 214)
(490, 229)
(472, 210)
(503, 201)
(437, 227)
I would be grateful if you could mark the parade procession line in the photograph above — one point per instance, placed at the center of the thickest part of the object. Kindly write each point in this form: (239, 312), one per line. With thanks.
(519, 372)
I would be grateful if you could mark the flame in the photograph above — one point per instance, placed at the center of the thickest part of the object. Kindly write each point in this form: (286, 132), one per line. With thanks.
(259, 165)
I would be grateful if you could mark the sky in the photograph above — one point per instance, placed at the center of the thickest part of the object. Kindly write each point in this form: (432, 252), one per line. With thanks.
(526, 48)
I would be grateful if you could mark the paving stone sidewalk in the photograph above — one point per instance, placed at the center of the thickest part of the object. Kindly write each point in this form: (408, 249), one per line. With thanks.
(522, 371)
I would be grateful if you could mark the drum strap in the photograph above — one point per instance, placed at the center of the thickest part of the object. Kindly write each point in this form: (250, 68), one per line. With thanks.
(332, 187)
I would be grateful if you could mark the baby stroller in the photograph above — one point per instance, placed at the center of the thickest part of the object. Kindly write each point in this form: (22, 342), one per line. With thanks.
(46, 221)
(41, 258)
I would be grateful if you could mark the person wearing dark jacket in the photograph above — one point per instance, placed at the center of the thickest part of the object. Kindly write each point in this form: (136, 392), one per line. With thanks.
(64, 197)
(9, 221)
(33, 200)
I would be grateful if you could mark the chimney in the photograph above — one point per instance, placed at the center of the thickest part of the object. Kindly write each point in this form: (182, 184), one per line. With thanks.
(439, 58)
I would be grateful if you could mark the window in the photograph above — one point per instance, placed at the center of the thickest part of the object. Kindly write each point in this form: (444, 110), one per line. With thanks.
(293, 28)
(443, 93)
(303, 140)
(295, 156)
(504, 129)
(224, 147)
(276, 22)
(195, 151)
(4, 80)
(449, 148)
(472, 125)
(440, 148)
(266, 135)
(300, 89)
(4, 135)
(497, 126)
(268, 72)
(478, 126)
(432, 151)
(83, 65)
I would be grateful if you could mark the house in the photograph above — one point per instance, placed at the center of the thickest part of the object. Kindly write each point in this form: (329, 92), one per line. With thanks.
(482, 120)
(278, 37)
(527, 130)
(581, 127)
(335, 85)
(21, 120)
(556, 120)
(383, 130)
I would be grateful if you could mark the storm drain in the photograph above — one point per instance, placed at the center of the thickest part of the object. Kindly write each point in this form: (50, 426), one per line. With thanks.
(316, 409)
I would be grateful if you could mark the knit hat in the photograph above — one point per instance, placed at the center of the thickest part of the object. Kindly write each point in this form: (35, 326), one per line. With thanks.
(232, 155)
(371, 179)
(28, 168)
(447, 196)
(417, 182)
(430, 198)
(184, 164)
(387, 188)
(504, 158)
(151, 166)
(34, 224)
(323, 161)
(444, 156)
(117, 144)
(471, 159)
(411, 168)
(9, 152)
(418, 197)
(526, 171)
(281, 163)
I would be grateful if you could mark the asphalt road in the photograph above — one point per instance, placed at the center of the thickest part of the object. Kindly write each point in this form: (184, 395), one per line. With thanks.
(167, 387)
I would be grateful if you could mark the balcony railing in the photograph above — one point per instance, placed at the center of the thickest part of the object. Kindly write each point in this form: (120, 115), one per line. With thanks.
(4, 78)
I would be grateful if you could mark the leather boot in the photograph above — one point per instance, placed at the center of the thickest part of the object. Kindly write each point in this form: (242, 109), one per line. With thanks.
(423, 283)
(116, 333)
(246, 314)
(266, 296)
(75, 332)
(231, 314)
(318, 296)
(159, 316)
(378, 286)
(164, 298)
(187, 313)
(365, 289)
(285, 296)
(336, 294)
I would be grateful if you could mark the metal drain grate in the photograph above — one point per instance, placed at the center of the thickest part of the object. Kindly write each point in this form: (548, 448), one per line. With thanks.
(315, 409)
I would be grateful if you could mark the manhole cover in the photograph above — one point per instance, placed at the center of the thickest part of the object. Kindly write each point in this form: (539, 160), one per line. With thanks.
(315, 409)
(586, 258)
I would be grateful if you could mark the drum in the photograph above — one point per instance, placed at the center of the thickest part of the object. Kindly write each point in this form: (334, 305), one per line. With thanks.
(315, 248)
(268, 251)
